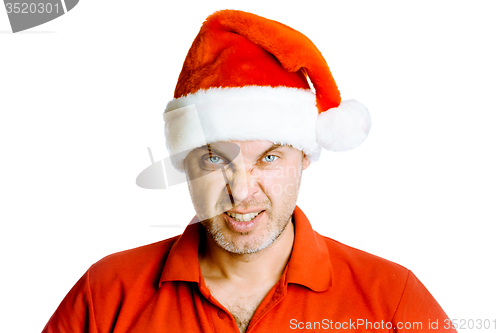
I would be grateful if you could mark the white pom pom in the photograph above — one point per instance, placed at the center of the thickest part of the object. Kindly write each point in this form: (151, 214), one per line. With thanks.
(343, 128)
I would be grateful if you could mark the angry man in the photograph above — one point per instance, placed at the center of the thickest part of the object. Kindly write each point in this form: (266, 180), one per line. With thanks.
(243, 126)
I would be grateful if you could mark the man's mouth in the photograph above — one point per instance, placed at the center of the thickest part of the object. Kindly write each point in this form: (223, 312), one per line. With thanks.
(243, 217)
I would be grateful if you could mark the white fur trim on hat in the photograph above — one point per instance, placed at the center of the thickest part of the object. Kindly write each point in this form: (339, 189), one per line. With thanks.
(252, 113)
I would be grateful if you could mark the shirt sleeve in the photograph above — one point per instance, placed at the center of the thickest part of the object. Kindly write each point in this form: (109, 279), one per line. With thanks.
(75, 313)
(418, 311)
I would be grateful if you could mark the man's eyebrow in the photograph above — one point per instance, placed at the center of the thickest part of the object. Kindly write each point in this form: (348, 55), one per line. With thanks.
(211, 150)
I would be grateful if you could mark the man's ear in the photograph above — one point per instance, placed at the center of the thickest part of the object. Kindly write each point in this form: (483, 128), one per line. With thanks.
(305, 162)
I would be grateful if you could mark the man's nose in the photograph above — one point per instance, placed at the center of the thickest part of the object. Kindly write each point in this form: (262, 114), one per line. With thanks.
(241, 186)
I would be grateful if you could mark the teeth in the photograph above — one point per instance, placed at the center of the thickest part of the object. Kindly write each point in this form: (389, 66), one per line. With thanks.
(243, 218)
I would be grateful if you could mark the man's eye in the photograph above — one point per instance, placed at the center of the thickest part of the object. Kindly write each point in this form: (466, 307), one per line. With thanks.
(270, 158)
(215, 160)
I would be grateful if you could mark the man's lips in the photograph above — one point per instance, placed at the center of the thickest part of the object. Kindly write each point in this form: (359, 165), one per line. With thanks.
(243, 217)
(243, 212)
(243, 226)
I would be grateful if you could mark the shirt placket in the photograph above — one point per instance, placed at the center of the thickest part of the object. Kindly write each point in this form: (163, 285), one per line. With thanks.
(264, 309)
(222, 320)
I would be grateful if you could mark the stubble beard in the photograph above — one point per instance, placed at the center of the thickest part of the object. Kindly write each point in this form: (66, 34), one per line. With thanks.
(276, 224)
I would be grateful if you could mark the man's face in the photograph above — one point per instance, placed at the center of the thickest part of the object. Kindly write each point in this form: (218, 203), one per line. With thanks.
(244, 193)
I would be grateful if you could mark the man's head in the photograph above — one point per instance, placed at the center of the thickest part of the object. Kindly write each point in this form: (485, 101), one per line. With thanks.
(245, 84)
(244, 192)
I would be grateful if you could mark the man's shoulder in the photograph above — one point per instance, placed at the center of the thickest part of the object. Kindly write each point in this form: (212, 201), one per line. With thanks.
(130, 264)
(355, 262)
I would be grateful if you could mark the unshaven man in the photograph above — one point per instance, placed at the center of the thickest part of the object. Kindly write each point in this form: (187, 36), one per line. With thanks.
(243, 126)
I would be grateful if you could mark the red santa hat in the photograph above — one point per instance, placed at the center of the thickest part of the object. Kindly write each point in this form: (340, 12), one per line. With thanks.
(245, 78)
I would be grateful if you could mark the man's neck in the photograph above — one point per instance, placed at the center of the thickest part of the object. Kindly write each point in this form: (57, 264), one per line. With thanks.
(241, 281)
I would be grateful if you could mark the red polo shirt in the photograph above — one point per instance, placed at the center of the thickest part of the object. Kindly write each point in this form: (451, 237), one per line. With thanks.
(326, 286)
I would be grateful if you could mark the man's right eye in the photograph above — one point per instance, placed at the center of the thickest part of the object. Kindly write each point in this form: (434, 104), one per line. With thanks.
(213, 159)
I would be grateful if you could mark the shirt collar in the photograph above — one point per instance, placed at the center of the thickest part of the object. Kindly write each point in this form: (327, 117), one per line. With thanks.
(309, 263)
(182, 262)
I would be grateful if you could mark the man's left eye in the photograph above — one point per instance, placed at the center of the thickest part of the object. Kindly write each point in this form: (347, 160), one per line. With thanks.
(270, 158)
(215, 160)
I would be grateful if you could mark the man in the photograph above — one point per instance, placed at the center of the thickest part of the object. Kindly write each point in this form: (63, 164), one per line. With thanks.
(243, 126)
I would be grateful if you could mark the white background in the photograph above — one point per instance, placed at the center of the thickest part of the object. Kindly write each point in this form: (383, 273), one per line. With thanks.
(81, 99)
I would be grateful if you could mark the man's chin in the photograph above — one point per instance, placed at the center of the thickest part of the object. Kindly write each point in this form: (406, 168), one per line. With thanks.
(242, 241)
